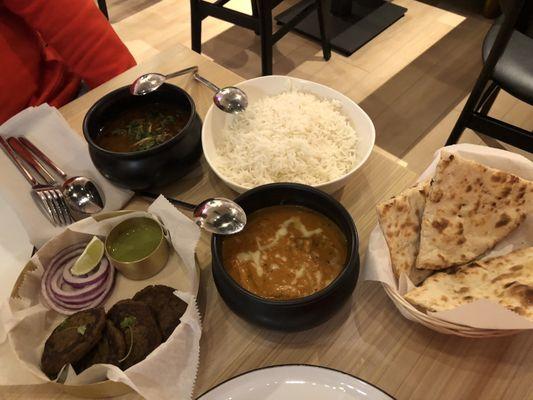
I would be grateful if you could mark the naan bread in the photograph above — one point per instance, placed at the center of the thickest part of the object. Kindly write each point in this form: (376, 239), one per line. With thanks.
(507, 280)
(400, 219)
(469, 209)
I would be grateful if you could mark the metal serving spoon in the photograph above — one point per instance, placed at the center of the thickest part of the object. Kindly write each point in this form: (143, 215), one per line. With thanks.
(216, 215)
(229, 99)
(147, 83)
(81, 194)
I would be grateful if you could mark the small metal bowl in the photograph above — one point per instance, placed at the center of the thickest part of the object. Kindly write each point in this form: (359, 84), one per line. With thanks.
(143, 268)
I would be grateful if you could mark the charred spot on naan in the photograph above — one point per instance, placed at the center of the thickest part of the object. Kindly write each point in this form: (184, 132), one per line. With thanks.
(523, 293)
(435, 196)
(440, 224)
(446, 161)
(504, 220)
(506, 191)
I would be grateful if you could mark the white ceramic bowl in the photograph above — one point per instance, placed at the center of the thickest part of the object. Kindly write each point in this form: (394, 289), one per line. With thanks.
(216, 120)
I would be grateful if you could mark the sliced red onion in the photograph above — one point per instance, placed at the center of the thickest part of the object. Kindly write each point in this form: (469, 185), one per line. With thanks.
(78, 299)
(84, 280)
(57, 261)
(69, 309)
(57, 284)
(86, 292)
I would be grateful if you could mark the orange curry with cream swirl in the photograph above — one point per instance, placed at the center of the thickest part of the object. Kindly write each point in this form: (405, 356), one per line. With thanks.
(285, 252)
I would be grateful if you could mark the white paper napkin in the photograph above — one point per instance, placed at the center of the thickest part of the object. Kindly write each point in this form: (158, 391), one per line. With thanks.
(49, 131)
(15, 248)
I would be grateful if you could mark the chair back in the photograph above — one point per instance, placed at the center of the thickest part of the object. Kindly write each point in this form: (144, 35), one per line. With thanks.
(525, 19)
(511, 11)
(510, 6)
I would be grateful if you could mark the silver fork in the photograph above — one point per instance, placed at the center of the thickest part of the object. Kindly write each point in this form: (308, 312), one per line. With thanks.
(47, 196)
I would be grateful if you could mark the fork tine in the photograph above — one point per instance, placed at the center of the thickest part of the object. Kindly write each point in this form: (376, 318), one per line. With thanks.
(59, 207)
(42, 202)
(63, 206)
(55, 208)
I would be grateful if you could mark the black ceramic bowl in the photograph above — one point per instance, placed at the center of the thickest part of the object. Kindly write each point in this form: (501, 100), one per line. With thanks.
(158, 165)
(301, 313)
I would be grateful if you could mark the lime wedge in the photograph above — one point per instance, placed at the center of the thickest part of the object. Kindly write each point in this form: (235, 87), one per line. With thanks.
(90, 258)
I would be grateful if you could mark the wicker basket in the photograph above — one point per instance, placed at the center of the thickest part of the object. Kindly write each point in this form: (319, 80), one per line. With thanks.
(439, 325)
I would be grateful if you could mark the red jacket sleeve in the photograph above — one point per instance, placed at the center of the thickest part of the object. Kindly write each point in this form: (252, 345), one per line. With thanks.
(80, 34)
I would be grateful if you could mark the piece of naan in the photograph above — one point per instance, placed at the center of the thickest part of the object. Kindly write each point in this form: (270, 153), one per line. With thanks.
(469, 209)
(507, 280)
(400, 219)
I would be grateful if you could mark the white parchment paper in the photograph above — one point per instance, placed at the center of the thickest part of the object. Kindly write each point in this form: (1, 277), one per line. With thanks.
(169, 372)
(478, 314)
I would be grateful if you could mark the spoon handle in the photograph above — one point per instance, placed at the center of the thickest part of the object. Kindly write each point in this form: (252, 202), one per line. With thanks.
(11, 154)
(27, 156)
(30, 146)
(178, 203)
(182, 72)
(204, 81)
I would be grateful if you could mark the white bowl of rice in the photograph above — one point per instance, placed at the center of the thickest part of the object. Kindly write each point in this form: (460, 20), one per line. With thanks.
(292, 131)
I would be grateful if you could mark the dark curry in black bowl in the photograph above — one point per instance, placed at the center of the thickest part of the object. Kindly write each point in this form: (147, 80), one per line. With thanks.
(142, 127)
(143, 141)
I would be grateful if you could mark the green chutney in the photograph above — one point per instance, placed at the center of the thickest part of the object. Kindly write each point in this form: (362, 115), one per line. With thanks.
(136, 241)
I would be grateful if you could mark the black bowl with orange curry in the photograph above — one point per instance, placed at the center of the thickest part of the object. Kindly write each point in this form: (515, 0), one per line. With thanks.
(296, 261)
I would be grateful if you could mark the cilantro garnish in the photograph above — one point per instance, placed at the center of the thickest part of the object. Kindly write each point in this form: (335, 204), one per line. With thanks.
(127, 323)
(81, 329)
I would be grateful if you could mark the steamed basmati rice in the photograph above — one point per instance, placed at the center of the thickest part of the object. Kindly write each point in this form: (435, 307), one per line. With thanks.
(290, 137)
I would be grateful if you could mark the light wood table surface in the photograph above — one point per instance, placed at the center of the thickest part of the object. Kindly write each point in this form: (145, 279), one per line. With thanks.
(368, 337)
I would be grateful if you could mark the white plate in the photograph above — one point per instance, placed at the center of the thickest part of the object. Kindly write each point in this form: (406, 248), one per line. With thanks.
(215, 120)
(291, 382)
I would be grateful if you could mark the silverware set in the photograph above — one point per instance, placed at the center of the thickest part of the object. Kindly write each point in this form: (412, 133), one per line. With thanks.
(63, 203)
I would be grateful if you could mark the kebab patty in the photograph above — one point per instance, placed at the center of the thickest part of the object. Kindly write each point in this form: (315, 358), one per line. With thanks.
(138, 325)
(109, 350)
(166, 307)
(72, 339)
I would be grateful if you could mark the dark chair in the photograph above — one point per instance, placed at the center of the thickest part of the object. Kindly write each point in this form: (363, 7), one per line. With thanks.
(508, 65)
(261, 22)
(103, 7)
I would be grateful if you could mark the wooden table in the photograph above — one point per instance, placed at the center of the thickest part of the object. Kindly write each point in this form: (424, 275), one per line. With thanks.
(368, 337)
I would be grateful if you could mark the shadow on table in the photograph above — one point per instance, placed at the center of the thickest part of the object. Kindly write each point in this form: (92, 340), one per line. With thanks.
(121, 9)
(239, 50)
(461, 7)
(411, 103)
